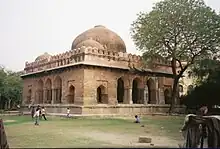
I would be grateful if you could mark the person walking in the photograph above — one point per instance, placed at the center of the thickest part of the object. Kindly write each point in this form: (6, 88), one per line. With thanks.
(36, 115)
(68, 112)
(32, 112)
(43, 112)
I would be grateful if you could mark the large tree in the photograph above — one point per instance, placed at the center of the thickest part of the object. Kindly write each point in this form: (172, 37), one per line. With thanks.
(10, 87)
(179, 31)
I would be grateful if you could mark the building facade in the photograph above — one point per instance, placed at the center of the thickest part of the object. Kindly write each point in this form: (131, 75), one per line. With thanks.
(97, 76)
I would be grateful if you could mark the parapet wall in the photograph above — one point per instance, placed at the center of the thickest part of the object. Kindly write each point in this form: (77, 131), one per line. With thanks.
(83, 54)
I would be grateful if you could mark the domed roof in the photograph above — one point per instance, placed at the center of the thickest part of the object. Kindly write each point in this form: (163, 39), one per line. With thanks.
(89, 43)
(105, 37)
(43, 56)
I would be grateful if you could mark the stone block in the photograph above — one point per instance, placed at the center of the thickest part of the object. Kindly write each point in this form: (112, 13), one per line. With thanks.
(144, 139)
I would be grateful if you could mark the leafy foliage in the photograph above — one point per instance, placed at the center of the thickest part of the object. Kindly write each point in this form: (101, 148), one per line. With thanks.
(177, 30)
(209, 72)
(10, 86)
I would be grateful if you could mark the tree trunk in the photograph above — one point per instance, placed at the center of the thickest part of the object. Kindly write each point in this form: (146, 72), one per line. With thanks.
(174, 94)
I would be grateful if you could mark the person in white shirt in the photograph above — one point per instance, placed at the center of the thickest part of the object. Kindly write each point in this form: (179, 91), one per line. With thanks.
(36, 115)
(68, 112)
(43, 112)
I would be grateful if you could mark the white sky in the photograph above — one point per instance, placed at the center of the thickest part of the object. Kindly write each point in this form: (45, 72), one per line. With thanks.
(29, 28)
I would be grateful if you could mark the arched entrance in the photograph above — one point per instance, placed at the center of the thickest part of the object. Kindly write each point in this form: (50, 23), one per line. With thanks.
(39, 92)
(29, 95)
(71, 95)
(48, 91)
(152, 95)
(167, 96)
(120, 90)
(102, 97)
(58, 89)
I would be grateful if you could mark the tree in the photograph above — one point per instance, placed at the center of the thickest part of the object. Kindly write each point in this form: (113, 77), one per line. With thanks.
(179, 31)
(200, 95)
(10, 87)
(205, 70)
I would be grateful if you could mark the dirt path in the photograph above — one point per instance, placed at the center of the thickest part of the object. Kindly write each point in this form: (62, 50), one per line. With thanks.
(130, 140)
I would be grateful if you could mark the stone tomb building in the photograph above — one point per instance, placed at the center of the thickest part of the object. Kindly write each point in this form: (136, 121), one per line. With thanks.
(97, 76)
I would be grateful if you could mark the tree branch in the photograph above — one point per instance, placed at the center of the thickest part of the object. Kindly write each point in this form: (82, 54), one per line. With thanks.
(181, 66)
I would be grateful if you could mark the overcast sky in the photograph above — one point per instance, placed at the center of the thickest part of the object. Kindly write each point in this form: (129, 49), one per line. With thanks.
(29, 28)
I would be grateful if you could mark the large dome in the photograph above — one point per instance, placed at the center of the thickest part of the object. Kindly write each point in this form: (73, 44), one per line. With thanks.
(100, 37)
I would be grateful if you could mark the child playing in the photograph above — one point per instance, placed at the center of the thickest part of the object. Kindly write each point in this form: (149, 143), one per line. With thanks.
(36, 115)
(43, 112)
(68, 112)
(32, 112)
(137, 119)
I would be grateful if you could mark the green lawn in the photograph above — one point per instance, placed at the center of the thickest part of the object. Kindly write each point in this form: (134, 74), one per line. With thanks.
(91, 132)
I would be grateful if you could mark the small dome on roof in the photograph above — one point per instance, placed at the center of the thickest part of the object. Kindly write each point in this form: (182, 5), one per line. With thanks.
(43, 57)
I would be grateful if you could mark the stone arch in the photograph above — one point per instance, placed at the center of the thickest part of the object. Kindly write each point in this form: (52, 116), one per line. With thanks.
(167, 96)
(136, 91)
(29, 95)
(152, 94)
(48, 86)
(101, 95)
(120, 90)
(71, 95)
(39, 92)
(58, 89)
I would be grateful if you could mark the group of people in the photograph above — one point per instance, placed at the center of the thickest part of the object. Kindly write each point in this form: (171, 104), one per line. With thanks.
(38, 113)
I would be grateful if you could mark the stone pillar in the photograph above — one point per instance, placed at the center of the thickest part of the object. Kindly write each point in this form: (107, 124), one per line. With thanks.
(125, 98)
(146, 95)
(130, 96)
(45, 96)
(53, 96)
(161, 96)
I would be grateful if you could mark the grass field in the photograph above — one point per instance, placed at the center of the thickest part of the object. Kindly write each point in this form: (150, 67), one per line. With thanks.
(92, 132)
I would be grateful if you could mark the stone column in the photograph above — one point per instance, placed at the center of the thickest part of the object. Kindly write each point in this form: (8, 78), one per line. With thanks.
(130, 96)
(125, 98)
(45, 96)
(146, 95)
(53, 96)
(161, 96)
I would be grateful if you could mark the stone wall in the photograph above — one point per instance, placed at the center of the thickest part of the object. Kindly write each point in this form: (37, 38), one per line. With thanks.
(73, 77)
(108, 109)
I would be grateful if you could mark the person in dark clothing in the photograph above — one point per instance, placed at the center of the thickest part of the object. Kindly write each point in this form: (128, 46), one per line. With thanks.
(137, 119)
(32, 112)
(193, 133)
(40, 113)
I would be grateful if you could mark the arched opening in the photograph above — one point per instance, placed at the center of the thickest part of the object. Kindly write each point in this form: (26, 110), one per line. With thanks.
(102, 97)
(167, 96)
(136, 92)
(39, 92)
(29, 95)
(58, 89)
(48, 91)
(152, 95)
(120, 90)
(71, 95)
